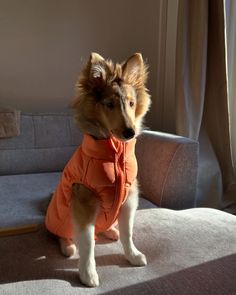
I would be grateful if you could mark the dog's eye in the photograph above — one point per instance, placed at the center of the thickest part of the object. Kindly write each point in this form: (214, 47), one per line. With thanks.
(131, 104)
(110, 105)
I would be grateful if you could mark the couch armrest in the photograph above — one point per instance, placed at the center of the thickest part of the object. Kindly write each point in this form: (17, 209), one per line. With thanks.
(168, 167)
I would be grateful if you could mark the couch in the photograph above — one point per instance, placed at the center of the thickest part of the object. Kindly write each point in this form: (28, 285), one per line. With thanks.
(189, 250)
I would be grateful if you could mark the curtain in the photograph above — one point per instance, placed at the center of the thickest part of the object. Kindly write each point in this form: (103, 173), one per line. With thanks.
(230, 13)
(202, 97)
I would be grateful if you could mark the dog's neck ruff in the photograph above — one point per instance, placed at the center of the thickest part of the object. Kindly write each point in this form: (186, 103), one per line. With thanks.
(107, 149)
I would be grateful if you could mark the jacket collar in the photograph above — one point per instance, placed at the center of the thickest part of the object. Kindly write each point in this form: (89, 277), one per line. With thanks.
(107, 148)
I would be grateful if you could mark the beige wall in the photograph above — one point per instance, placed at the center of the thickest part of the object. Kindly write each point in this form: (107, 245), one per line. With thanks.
(45, 42)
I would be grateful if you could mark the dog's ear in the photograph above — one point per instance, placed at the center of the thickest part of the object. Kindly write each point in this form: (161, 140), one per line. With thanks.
(97, 70)
(134, 70)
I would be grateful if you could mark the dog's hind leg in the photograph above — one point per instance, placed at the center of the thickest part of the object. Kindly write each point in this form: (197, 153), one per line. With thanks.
(85, 208)
(112, 233)
(68, 247)
(126, 222)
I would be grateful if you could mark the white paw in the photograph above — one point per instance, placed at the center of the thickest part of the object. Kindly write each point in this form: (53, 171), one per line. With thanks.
(112, 234)
(89, 277)
(137, 259)
(68, 248)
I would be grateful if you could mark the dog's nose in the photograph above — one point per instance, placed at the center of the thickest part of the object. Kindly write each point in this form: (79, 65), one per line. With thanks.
(128, 133)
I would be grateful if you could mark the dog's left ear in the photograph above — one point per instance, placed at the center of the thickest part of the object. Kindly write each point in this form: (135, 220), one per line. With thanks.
(134, 69)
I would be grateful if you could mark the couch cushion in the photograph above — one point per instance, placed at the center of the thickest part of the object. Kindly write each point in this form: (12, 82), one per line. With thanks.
(24, 198)
(45, 144)
(188, 252)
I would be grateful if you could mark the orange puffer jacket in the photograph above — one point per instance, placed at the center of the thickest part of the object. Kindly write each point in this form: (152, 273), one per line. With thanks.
(108, 168)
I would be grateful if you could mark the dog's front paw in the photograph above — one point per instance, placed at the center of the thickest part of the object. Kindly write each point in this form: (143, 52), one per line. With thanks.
(137, 259)
(89, 277)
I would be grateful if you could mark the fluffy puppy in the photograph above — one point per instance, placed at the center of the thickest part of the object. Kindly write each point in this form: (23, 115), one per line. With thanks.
(98, 184)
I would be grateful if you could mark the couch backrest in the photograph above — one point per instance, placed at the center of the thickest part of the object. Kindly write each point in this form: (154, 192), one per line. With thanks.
(45, 144)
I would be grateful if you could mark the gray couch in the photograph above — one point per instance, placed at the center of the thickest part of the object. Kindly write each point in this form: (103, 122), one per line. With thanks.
(189, 251)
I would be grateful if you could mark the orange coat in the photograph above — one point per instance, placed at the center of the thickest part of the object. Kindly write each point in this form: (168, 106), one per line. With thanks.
(108, 168)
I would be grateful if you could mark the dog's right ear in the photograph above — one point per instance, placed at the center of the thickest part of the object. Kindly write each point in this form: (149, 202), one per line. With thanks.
(97, 71)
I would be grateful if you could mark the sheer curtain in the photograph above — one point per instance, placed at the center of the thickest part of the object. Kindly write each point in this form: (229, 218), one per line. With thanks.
(202, 97)
(230, 13)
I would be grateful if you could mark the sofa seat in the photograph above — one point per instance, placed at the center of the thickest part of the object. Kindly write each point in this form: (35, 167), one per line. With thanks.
(25, 198)
(189, 252)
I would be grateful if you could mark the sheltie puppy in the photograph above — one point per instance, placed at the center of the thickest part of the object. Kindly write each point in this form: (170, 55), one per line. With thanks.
(98, 186)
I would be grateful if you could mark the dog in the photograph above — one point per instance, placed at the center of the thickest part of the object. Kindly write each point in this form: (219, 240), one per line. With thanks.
(98, 185)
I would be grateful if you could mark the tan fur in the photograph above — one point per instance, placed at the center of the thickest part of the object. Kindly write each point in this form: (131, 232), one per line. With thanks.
(85, 205)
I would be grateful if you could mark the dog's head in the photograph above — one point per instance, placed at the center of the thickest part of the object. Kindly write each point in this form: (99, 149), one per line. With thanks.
(112, 98)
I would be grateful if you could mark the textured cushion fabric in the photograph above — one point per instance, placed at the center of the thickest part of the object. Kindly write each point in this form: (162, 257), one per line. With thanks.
(34, 160)
(214, 277)
(45, 144)
(188, 252)
(25, 198)
(168, 169)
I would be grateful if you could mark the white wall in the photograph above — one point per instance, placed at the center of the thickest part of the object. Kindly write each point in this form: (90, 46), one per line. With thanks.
(45, 42)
